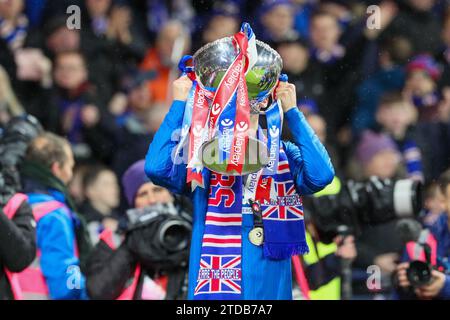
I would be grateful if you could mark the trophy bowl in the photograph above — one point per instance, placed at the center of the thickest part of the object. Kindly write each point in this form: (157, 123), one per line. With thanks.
(213, 60)
(210, 64)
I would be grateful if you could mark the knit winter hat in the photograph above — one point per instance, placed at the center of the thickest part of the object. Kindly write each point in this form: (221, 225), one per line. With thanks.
(371, 144)
(268, 5)
(425, 63)
(133, 179)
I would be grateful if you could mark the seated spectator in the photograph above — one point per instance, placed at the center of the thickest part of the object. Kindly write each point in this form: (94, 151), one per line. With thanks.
(396, 116)
(62, 238)
(102, 198)
(159, 58)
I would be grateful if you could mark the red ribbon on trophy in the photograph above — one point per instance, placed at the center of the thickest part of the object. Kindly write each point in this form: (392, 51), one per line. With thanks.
(197, 136)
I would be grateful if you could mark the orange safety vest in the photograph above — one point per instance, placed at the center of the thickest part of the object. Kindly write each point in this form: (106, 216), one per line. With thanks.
(416, 251)
(129, 292)
(30, 283)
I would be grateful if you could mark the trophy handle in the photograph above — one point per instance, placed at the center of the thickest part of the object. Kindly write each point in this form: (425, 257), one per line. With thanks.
(185, 70)
(283, 78)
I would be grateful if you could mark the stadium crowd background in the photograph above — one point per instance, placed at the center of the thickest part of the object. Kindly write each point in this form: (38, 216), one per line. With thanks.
(379, 99)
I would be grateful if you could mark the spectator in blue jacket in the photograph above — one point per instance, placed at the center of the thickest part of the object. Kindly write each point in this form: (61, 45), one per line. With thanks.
(439, 288)
(61, 235)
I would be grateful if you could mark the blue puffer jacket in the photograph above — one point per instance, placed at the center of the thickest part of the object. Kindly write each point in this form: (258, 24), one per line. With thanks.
(310, 166)
(56, 241)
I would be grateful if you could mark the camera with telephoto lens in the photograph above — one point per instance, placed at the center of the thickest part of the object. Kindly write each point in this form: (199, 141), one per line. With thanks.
(160, 235)
(358, 204)
(14, 141)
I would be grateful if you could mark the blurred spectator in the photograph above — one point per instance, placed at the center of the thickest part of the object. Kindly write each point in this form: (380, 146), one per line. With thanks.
(101, 188)
(443, 55)
(417, 22)
(304, 10)
(433, 204)
(421, 86)
(158, 13)
(13, 23)
(75, 186)
(112, 20)
(62, 237)
(341, 63)
(396, 117)
(304, 73)
(172, 36)
(58, 38)
(9, 105)
(224, 22)
(378, 155)
(277, 19)
(394, 53)
(134, 119)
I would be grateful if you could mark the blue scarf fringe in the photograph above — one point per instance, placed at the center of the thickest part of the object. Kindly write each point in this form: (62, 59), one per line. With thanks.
(282, 251)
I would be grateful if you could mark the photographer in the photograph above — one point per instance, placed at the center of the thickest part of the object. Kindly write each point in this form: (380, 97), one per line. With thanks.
(62, 236)
(17, 226)
(439, 285)
(138, 268)
(378, 244)
(17, 243)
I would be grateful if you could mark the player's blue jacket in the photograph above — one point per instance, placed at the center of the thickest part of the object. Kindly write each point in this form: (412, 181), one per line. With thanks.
(310, 166)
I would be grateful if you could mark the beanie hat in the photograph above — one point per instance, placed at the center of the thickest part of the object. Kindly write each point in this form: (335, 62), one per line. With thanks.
(133, 179)
(268, 5)
(371, 144)
(424, 63)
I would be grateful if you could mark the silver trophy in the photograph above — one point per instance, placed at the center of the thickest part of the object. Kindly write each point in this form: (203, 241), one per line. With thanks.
(211, 63)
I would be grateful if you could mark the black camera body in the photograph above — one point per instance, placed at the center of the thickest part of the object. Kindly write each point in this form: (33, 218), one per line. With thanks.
(357, 204)
(159, 237)
(413, 235)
